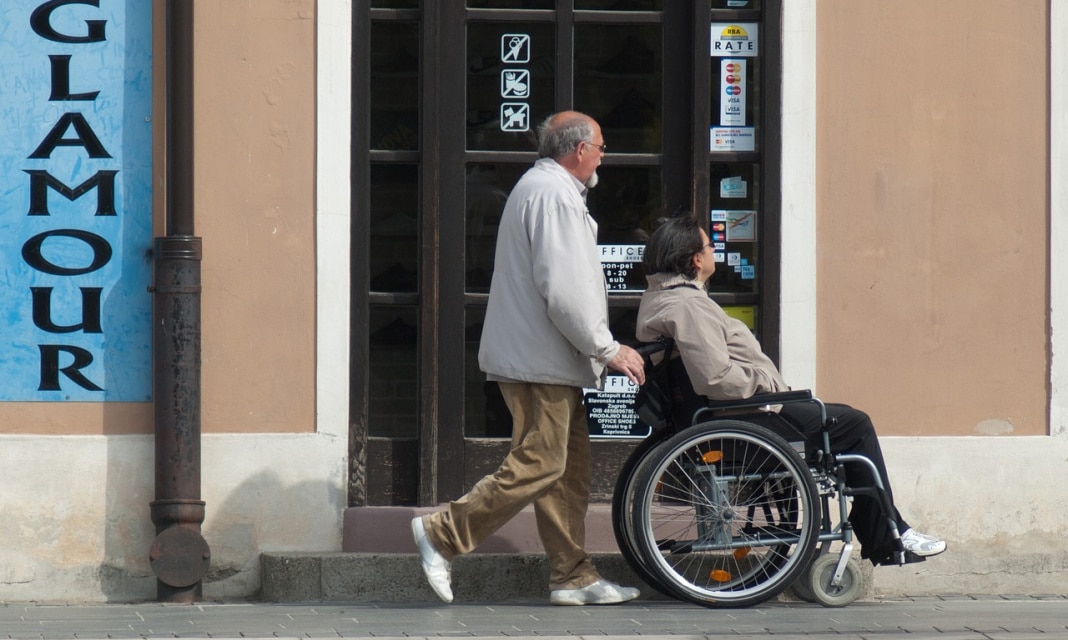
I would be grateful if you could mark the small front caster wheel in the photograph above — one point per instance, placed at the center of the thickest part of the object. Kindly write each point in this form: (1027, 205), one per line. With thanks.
(821, 574)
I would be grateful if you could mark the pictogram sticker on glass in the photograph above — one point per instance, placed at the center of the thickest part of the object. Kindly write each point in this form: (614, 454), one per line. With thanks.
(515, 116)
(515, 83)
(515, 47)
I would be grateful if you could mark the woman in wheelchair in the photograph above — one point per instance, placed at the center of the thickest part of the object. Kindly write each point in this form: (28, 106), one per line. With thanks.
(722, 360)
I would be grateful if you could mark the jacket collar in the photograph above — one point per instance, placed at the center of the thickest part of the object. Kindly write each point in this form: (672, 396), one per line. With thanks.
(552, 166)
(662, 281)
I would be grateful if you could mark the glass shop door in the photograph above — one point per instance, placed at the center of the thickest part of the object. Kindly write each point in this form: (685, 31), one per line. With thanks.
(446, 96)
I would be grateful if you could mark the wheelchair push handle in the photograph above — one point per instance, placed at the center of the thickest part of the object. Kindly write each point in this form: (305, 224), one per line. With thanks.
(648, 349)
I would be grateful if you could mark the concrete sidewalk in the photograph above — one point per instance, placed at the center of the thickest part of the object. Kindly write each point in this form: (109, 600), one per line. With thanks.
(944, 618)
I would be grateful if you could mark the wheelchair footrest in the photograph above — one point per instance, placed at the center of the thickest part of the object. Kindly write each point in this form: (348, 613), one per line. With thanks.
(901, 558)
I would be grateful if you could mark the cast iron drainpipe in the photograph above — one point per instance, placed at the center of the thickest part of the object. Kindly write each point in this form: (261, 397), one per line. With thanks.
(179, 556)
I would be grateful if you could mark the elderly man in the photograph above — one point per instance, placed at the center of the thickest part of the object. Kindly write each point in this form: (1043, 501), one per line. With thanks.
(545, 338)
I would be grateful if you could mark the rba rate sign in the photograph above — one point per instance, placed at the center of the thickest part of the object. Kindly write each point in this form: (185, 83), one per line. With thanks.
(75, 200)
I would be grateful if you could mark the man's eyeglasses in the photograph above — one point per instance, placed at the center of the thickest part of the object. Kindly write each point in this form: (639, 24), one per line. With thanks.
(602, 147)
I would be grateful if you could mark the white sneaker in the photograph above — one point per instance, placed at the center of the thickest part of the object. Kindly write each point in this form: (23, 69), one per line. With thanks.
(922, 544)
(438, 570)
(600, 592)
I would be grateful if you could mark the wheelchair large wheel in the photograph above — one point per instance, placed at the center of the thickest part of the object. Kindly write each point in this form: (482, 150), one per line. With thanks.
(623, 509)
(726, 514)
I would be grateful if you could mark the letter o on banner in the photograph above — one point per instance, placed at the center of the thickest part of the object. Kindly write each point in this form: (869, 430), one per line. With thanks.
(31, 252)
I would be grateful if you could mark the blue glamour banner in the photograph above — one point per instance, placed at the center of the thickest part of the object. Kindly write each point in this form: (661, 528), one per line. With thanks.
(75, 200)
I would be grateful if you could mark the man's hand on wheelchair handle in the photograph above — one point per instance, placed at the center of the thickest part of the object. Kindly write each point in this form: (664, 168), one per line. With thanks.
(629, 363)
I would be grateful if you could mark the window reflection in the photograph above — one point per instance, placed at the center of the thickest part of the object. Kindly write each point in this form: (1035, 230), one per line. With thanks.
(618, 82)
(487, 189)
(625, 203)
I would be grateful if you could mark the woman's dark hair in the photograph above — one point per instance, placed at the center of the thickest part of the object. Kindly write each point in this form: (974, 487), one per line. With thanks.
(672, 246)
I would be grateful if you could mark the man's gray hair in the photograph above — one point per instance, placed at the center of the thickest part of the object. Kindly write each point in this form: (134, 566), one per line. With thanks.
(556, 140)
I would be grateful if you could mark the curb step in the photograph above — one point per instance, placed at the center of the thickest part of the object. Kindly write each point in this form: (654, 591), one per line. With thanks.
(398, 577)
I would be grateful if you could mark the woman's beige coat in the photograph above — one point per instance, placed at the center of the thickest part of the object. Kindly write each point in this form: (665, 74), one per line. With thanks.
(722, 357)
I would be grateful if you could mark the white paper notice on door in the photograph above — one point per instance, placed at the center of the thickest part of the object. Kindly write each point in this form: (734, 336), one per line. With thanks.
(733, 138)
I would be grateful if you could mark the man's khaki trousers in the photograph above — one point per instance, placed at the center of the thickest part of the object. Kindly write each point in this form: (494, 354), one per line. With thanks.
(549, 466)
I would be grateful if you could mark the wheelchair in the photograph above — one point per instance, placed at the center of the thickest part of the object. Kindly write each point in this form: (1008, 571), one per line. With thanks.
(733, 508)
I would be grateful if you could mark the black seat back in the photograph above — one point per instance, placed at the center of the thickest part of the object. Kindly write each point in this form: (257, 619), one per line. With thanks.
(653, 403)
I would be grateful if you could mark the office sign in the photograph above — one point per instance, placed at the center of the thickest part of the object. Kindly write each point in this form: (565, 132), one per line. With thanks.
(622, 264)
(76, 200)
(610, 411)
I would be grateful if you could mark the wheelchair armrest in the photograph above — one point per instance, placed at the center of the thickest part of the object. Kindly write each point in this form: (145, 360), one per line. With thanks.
(761, 399)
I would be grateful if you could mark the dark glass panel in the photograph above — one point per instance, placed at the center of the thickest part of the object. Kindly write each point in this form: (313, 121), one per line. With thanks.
(625, 203)
(394, 243)
(623, 322)
(393, 377)
(395, 85)
(394, 4)
(619, 5)
(512, 4)
(485, 414)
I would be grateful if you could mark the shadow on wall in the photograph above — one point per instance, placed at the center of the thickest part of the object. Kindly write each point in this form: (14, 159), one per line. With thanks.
(260, 513)
(125, 574)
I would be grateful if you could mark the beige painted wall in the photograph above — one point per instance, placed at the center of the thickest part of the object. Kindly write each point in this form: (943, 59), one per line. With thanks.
(932, 204)
(255, 181)
(255, 204)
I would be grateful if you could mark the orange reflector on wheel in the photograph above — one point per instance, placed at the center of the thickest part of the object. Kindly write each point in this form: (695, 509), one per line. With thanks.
(741, 552)
(710, 457)
(720, 575)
